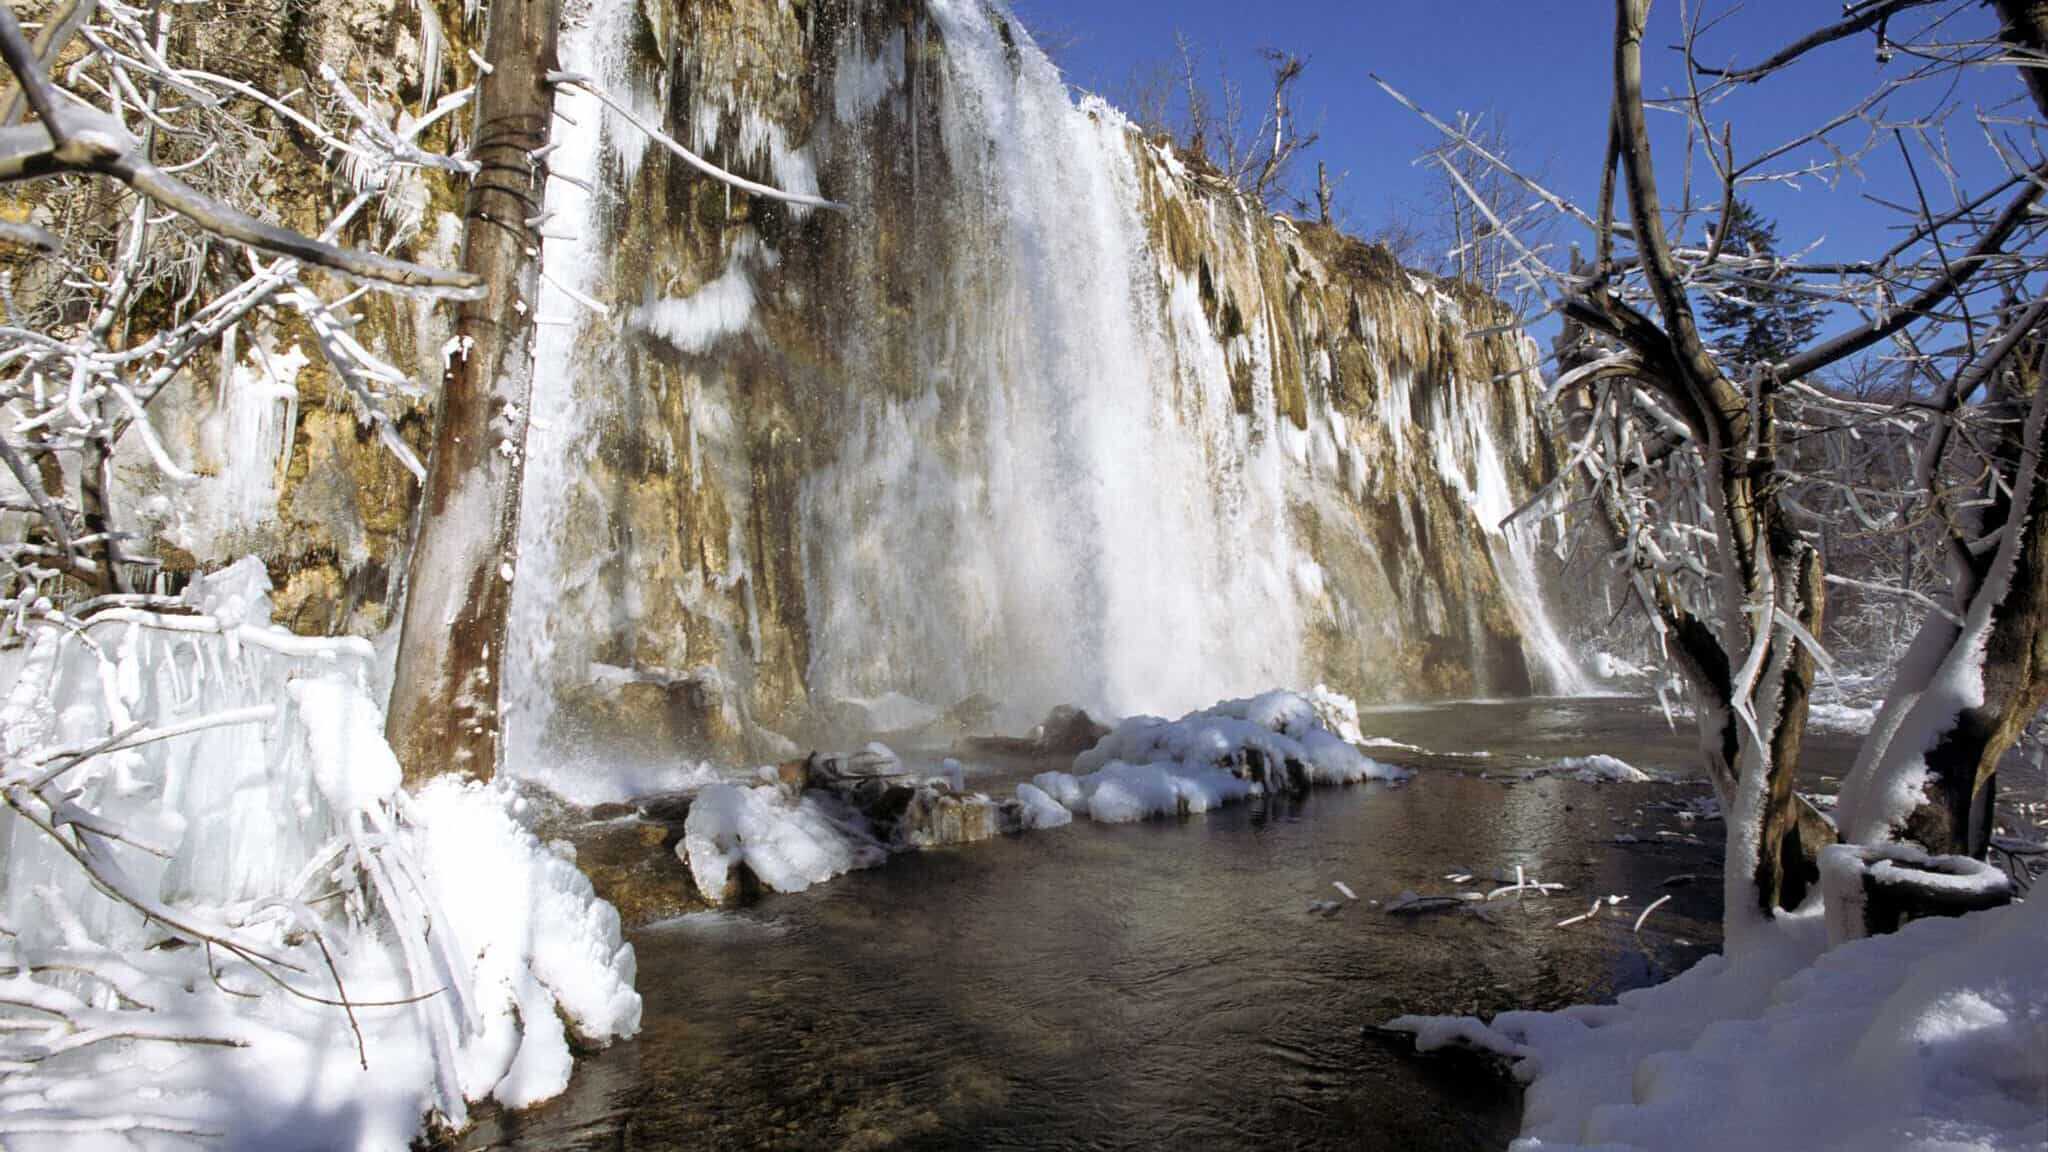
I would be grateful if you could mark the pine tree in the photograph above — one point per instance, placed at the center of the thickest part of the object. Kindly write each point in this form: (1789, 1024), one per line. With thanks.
(1755, 321)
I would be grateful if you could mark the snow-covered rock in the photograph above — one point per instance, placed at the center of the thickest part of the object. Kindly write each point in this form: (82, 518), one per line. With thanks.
(1598, 769)
(788, 845)
(1149, 767)
(1041, 810)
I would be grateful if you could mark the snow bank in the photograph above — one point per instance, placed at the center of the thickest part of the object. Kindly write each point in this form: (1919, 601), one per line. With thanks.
(788, 845)
(1935, 1037)
(1598, 769)
(371, 957)
(534, 933)
(1148, 767)
(1837, 716)
(1041, 810)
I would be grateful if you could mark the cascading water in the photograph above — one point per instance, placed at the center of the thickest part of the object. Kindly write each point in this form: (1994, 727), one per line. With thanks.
(1060, 509)
(1040, 417)
(594, 148)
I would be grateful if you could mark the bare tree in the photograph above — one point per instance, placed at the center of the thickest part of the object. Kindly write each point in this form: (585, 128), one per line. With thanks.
(1404, 233)
(1479, 213)
(1199, 120)
(1211, 125)
(1703, 465)
(147, 253)
(131, 288)
(1279, 133)
(82, 370)
(444, 712)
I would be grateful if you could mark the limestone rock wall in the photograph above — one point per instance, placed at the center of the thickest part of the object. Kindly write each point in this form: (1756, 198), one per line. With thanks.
(811, 461)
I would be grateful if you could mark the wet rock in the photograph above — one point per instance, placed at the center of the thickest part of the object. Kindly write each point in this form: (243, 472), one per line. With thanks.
(1066, 731)
(631, 865)
(937, 818)
(1069, 731)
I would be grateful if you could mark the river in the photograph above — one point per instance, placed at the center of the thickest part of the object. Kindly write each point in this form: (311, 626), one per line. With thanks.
(1171, 984)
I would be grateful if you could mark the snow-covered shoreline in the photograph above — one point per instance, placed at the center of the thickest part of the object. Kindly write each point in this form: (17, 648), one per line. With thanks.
(1934, 1037)
(249, 934)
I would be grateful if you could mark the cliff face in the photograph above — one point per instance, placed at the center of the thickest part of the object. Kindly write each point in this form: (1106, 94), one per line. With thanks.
(286, 466)
(1041, 416)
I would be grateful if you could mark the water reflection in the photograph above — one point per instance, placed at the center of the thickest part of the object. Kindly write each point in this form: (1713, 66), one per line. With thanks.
(1154, 985)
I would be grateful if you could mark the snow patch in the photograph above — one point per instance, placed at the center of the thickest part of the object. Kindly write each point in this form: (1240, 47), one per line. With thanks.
(1598, 769)
(1935, 1037)
(467, 949)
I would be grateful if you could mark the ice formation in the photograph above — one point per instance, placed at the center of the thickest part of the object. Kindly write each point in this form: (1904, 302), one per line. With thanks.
(268, 822)
(1934, 1037)
(787, 843)
(1148, 767)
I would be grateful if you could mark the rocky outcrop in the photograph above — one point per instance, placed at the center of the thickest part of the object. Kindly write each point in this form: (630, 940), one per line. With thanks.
(1044, 416)
(286, 468)
(788, 475)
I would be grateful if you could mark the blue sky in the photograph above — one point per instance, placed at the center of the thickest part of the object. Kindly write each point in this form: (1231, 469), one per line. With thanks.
(1545, 65)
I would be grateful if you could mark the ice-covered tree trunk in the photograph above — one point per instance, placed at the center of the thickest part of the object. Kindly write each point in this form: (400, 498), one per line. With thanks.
(444, 703)
(1972, 680)
(1753, 680)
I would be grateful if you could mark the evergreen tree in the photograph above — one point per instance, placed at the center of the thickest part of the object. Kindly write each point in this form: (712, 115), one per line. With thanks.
(1757, 321)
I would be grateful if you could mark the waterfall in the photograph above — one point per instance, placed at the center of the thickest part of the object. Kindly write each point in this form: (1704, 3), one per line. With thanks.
(1058, 509)
(595, 149)
(996, 430)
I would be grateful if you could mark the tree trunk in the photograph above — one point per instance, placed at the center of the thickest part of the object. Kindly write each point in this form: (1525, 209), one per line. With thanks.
(2025, 27)
(444, 702)
(1962, 766)
(1786, 867)
(1955, 819)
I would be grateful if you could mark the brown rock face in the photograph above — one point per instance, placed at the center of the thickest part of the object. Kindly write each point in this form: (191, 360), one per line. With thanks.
(788, 489)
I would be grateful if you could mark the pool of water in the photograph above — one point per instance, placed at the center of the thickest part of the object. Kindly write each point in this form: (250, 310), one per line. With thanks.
(1171, 985)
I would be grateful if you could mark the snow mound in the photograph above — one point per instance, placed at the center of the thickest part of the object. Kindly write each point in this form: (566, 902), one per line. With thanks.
(540, 944)
(1041, 810)
(1599, 769)
(1149, 767)
(1608, 666)
(788, 845)
(1337, 712)
(370, 957)
(1934, 1037)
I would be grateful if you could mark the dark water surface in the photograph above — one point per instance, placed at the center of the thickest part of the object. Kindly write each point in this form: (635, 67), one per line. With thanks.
(1167, 985)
